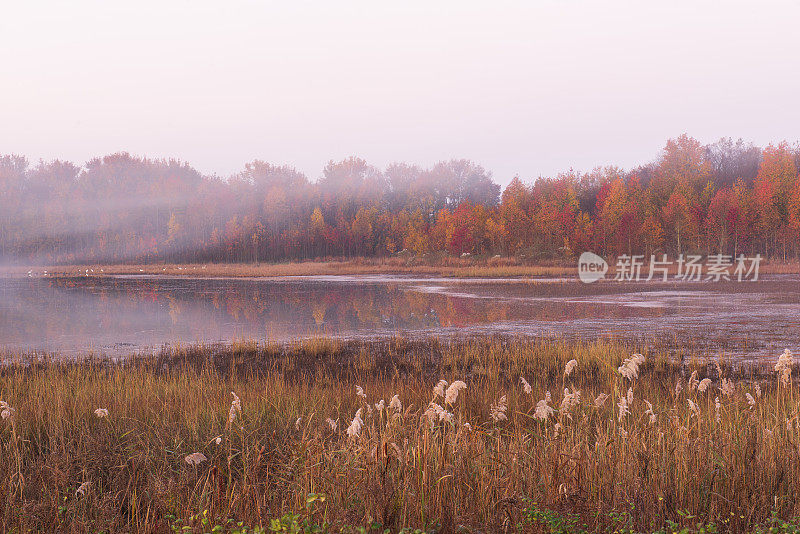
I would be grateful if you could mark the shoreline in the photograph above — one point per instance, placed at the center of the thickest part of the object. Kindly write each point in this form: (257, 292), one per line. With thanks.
(454, 268)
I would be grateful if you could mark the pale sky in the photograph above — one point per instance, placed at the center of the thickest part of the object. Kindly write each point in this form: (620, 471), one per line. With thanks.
(528, 88)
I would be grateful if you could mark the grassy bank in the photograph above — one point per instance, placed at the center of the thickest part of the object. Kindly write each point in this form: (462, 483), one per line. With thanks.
(444, 266)
(299, 444)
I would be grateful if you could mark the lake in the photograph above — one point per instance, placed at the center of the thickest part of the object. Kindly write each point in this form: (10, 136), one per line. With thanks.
(123, 314)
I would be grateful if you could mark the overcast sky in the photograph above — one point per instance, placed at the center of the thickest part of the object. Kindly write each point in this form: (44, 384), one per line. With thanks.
(528, 88)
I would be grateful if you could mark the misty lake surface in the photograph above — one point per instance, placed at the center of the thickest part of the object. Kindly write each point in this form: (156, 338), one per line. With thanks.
(125, 314)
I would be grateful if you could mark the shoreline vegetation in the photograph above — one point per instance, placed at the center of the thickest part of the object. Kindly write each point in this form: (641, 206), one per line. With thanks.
(485, 434)
(449, 267)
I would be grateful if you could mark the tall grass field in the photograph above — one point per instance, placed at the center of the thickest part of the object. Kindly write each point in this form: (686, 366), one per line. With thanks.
(472, 435)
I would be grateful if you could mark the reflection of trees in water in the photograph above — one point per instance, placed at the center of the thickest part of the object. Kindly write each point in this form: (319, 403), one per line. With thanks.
(198, 309)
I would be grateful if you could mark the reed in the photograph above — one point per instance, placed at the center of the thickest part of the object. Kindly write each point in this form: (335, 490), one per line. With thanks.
(437, 435)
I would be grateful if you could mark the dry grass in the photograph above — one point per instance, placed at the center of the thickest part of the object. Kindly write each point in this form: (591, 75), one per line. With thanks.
(177, 445)
(438, 265)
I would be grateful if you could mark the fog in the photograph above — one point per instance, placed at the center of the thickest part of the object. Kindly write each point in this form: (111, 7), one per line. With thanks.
(528, 88)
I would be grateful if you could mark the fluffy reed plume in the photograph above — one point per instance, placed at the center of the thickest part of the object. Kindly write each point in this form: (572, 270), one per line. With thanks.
(717, 405)
(570, 400)
(354, 430)
(758, 391)
(101, 412)
(196, 458)
(331, 423)
(693, 382)
(360, 392)
(525, 386)
(728, 387)
(600, 400)
(650, 412)
(236, 408)
(7, 411)
(678, 387)
(497, 411)
(451, 395)
(380, 406)
(622, 406)
(297, 423)
(703, 385)
(693, 407)
(784, 367)
(395, 404)
(543, 409)
(570, 367)
(750, 400)
(436, 412)
(218, 440)
(83, 488)
(438, 390)
(630, 366)
(630, 396)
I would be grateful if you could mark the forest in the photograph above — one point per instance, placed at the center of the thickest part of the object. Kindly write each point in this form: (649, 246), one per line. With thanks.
(729, 197)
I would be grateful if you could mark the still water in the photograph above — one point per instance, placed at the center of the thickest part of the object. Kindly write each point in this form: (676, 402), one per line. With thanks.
(120, 315)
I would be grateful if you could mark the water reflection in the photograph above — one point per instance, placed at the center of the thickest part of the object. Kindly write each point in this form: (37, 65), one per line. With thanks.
(118, 315)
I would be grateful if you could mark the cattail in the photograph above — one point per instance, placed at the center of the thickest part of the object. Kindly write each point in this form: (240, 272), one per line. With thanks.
(395, 404)
(693, 407)
(750, 400)
(497, 410)
(622, 405)
(360, 392)
(703, 385)
(7, 411)
(101, 412)
(451, 395)
(728, 388)
(438, 391)
(196, 458)
(600, 400)
(650, 412)
(570, 367)
(525, 386)
(83, 488)
(354, 430)
(784, 366)
(331, 423)
(717, 406)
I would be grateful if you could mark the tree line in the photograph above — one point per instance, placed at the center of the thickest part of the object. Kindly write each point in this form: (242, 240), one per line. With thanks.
(729, 197)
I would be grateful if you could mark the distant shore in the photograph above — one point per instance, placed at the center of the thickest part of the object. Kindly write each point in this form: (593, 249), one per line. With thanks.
(495, 267)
